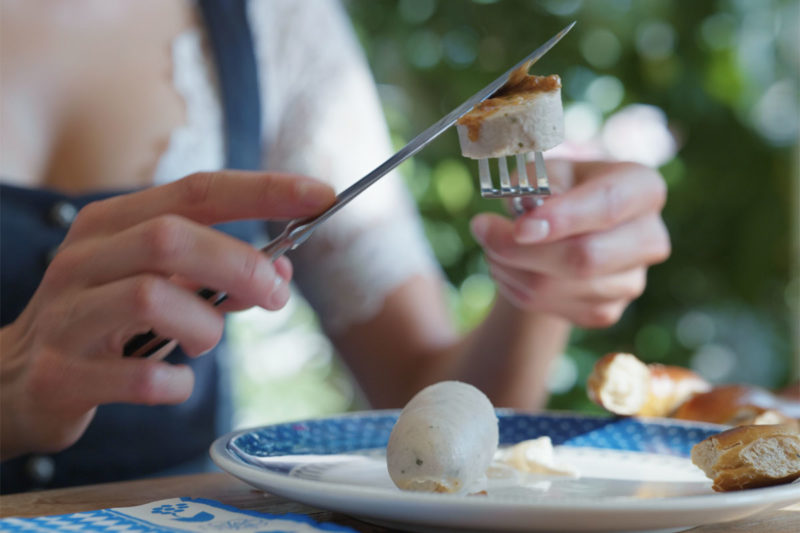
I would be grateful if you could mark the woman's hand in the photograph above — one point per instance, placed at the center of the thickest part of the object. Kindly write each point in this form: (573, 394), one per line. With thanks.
(583, 254)
(130, 264)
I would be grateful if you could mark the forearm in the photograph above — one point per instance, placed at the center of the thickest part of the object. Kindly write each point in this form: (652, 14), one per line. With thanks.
(412, 343)
(510, 354)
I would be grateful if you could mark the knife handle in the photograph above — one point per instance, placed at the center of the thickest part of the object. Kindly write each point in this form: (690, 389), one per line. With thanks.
(146, 344)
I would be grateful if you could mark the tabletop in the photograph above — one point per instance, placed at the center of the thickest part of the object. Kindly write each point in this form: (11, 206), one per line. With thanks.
(230, 491)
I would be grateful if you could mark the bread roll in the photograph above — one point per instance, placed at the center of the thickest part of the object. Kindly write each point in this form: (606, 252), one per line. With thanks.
(444, 440)
(524, 116)
(750, 456)
(624, 385)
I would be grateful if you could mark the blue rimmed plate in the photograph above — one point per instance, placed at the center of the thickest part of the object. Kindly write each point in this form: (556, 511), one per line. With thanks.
(635, 474)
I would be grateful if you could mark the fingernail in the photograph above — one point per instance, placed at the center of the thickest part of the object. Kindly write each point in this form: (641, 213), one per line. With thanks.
(480, 227)
(175, 382)
(312, 194)
(162, 377)
(266, 269)
(532, 230)
(279, 294)
(283, 267)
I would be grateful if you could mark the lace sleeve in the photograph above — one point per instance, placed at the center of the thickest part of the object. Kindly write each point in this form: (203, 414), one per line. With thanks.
(323, 119)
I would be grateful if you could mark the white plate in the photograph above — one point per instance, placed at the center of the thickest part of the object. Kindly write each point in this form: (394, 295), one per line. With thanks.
(635, 475)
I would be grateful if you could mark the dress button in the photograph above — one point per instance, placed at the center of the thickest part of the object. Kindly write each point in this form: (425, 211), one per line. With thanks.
(41, 469)
(63, 213)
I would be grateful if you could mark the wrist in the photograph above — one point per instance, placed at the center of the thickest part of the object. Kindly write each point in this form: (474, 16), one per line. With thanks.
(526, 318)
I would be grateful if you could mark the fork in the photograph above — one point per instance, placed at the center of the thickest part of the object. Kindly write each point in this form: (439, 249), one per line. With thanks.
(523, 195)
(299, 230)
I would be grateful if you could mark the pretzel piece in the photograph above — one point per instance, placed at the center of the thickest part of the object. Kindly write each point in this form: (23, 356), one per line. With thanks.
(739, 405)
(624, 385)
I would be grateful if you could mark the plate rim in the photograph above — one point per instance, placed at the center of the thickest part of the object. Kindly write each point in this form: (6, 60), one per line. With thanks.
(229, 462)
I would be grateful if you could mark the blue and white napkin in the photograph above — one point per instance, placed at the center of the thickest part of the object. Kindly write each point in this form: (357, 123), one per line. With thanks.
(173, 515)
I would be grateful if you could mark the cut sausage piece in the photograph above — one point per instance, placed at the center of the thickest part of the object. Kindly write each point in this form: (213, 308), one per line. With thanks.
(524, 117)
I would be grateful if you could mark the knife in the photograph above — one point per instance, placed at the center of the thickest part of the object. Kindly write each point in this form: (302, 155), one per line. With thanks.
(297, 231)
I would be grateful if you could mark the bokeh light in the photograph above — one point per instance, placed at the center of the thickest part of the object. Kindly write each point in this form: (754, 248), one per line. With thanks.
(775, 116)
(454, 184)
(704, 91)
(655, 40)
(283, 367)
(581, 122)
(694, 329)
(563, 375)
(424, 49)
(601, 48)
(461, 46)
(416, 11)
(639, 133)
(446, 242)
(561, 7)
(605, 93)
(718, 31)
(476, 295)
(714, 362)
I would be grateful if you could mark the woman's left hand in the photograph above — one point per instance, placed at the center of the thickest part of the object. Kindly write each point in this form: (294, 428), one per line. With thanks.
(583, 254)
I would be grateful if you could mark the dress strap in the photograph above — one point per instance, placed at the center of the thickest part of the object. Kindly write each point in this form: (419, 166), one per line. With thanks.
(234, 53)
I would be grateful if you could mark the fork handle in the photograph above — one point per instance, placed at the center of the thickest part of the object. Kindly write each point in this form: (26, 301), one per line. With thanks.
(146, 344)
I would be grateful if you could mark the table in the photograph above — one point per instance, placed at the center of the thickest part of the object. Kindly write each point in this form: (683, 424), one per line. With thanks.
(230, 491)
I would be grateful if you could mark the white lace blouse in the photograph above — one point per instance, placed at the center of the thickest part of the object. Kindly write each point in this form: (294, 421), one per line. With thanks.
(321, 118)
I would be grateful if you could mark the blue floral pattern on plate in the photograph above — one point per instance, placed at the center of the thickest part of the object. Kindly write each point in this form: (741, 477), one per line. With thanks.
(364, 431)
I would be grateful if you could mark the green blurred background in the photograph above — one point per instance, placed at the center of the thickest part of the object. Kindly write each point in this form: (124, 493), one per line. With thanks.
(705, 90)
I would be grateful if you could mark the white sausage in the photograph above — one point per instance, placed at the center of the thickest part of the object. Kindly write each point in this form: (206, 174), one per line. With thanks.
(532, 122)
(444, 440)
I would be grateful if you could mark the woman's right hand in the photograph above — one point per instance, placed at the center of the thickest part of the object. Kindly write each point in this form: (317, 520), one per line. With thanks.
(130, 264)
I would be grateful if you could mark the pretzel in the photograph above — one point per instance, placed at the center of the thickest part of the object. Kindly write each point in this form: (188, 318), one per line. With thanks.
(792, 392)
(750, 456)
(624, 385)
(739, 405)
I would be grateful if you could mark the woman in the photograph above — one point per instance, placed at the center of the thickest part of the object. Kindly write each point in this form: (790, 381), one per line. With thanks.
(103, 98)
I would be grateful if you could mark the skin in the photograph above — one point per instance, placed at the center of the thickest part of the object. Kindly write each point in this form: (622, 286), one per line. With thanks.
(130, 263)
(127, 265)
(605, 230)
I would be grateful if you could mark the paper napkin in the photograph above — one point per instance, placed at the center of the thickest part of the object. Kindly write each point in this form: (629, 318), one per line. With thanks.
(172, 515)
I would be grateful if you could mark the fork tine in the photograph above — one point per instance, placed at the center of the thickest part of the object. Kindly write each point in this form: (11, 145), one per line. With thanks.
(542, 182)
(518, 186)
(522, 171)
(505, 181)
(485, 174)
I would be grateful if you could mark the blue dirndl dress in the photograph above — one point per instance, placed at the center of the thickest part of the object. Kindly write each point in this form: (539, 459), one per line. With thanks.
(130, 441)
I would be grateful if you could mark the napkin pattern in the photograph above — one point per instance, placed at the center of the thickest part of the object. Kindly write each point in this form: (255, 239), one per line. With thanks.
(172, 515)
